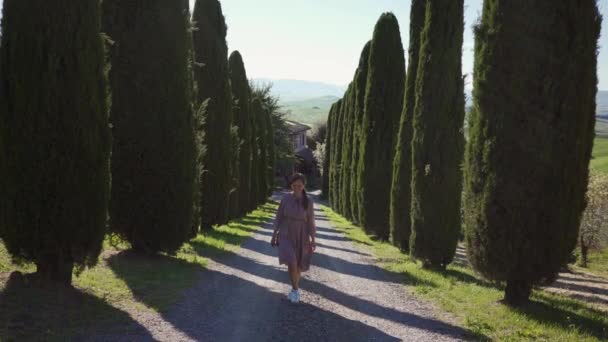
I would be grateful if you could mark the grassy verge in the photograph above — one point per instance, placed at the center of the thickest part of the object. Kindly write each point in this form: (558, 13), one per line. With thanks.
(474, 302)
(598, 263)
(121, 283)
(600, 154)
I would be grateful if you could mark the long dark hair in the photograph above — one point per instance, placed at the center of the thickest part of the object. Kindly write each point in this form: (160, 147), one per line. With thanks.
(300, 177)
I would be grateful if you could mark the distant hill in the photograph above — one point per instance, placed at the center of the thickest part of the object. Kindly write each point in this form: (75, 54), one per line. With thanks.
(602, 103)
(295, 90)
(309, 102)
(309, 111)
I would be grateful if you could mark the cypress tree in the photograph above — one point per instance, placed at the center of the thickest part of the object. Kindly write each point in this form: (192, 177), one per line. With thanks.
(269, 106)
(242, 119)
(346, 152)
(154, 156)
(401, 189)
(360, 82)
(211, 73)
(54, 135)
(527, 162)
(233, 196)
(258, 113)
(270, 151)
(383, 101)
(255, 153)
(338, 155)
(333, 116)
(438, 142)
(327, 160)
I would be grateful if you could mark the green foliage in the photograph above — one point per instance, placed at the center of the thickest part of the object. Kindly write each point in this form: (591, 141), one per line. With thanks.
(241, 94)
(233, 196)
(438, 141)
(255, 108)
(259, 116)
(527, 162)
(600, 155)
(155, 150)
(54, 135)
(347, 147)
(359, 84)
(327, 163)
(337, 154)
(211, 74)
(383, 104)
(270, 109)
(401, 188)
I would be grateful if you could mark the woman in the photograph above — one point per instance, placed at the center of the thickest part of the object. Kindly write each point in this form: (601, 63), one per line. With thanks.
(294, 233)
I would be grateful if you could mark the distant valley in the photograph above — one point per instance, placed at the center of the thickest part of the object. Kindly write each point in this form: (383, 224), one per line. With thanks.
(309, 102)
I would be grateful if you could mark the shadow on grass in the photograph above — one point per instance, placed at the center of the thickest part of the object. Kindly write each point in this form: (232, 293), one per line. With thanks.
(543, 308)
(29, 312)
(156, 281)
(565, 313)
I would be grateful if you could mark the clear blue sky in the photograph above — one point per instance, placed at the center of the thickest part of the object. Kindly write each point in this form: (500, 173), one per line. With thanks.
(320, 40)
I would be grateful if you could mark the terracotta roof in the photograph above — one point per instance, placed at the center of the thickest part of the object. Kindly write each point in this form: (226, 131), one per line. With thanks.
(296, 127)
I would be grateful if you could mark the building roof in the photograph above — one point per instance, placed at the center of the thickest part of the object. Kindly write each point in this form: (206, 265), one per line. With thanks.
(296, 127)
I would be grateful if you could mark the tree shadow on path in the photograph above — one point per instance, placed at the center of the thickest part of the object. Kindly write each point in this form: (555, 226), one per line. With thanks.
(31, 312)
(264, 271)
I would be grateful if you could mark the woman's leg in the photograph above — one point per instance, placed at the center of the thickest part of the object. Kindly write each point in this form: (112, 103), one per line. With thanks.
(294, 275)
(298, 277)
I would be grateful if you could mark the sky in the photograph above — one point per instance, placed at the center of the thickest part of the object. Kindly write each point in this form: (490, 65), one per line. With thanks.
(321, 40)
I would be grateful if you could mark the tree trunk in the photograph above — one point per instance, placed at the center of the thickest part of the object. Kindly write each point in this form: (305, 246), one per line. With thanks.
(55, 271)
(517, 292)
(584, 253)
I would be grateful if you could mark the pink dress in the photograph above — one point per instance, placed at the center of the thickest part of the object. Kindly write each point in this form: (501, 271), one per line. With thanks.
(296, 225)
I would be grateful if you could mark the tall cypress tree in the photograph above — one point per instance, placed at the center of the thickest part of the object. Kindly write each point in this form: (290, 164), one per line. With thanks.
(347, 143)
(255, 109)
(338, 155)
(383, 101)
(242, 119)
(360, 82)
(401, 189)
(258, 113)
(327, 161)
(54, 135)
(211, 73)
(527, 161)
(154, 166)
(233, 196)
(270, 150)
(333, 115)
(438, 142)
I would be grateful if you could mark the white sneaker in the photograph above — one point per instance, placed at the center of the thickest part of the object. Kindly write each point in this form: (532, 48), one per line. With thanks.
(297, 296)
(292, 295)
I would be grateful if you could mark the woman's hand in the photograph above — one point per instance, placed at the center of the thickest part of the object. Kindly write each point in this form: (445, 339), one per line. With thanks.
(274, 241)
(313, 245)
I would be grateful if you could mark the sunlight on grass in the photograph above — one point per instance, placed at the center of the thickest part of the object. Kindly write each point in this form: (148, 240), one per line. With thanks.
(474, 301)
(121, 281)
(600, 154)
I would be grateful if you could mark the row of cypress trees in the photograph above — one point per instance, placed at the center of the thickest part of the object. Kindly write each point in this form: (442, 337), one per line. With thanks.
(531, 132)
(147, 135)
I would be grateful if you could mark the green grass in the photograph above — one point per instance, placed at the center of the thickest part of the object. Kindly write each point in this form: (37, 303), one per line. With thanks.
(475, 302)
(597, 263)
(600, 154)
(121, 283)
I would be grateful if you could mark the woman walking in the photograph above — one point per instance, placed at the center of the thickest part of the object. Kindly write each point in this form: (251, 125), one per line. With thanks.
(294, 233)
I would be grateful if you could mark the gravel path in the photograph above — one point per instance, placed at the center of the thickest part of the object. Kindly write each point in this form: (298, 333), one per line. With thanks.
(241, 297)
